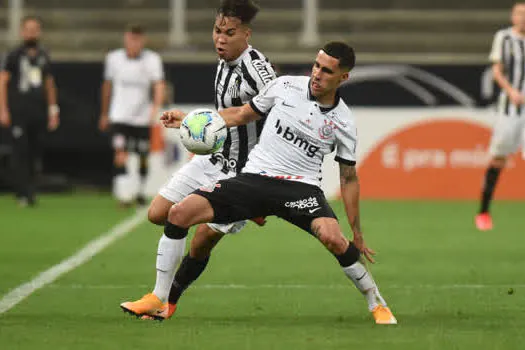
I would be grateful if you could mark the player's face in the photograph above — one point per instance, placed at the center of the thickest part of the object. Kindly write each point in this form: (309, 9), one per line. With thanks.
(31, 30)
(134, 43)
(518, 17)
(326, 75)
(230, 37)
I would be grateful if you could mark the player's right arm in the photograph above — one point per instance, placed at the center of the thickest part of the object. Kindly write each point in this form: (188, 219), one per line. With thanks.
(256, 109)
(105, 94)
(5, 76)
(233, 116)
(498, 70)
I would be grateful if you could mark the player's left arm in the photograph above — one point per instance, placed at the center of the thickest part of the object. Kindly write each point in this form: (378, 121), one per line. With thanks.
(346, 144)
(51, 95)
(350, 194)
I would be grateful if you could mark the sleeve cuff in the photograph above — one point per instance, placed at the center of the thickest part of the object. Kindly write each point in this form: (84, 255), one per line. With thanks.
(345, 161)
(256, 109)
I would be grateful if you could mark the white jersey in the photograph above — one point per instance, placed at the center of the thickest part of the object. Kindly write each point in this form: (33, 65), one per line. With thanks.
(236, 82)
(131, 80)
(508, 48)
(298, 132)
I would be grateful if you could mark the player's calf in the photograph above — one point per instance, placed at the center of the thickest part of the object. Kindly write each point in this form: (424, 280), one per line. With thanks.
(348, 255)
(204, 241)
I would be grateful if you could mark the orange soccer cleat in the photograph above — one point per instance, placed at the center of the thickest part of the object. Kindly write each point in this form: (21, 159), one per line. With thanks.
(149, 304)
(383, 315)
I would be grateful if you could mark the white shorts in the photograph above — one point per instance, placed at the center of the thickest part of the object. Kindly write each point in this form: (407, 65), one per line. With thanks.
(508, 135)
(198, 172)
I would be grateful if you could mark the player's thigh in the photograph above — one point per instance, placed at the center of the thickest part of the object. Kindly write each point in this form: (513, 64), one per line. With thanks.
(159, 209)
(303, 203)
(193, 175)
(140, 140)
(194, 209)
(237, 198)
(506, 136)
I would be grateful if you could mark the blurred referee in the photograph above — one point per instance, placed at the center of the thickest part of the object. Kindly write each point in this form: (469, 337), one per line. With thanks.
(28, 105)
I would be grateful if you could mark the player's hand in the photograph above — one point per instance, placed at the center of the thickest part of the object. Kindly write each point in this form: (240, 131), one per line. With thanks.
(360, 244)
(53, 121)
(516, 97)
(5, 118)
(103, 123)
(172, 119)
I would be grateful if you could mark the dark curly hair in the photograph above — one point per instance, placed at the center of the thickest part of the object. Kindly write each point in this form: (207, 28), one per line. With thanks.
(244, 10)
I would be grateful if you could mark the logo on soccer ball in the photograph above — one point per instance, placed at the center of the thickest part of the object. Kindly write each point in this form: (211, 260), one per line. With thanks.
(197, 124)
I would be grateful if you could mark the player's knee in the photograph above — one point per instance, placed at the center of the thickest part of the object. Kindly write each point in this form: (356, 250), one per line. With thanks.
(332, 238)
(156, 216)
(177, 216)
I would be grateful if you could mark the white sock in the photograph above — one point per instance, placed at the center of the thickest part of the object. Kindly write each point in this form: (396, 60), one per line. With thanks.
(169, 256)
(364, 281)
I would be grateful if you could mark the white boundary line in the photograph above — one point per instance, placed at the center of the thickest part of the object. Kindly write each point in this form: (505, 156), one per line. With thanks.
(15, 296)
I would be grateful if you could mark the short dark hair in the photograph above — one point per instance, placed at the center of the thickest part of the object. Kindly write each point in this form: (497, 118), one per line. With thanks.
(245, 10)
(343, 52)
(135, 29)
(30, 18)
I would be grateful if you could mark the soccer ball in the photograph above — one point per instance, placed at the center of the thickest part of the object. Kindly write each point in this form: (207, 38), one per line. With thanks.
(203, 131)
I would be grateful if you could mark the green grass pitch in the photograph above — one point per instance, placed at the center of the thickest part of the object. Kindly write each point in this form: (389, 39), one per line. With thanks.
(273, 287)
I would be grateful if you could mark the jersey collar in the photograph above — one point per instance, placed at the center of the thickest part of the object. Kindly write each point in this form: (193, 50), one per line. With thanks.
(324, 109)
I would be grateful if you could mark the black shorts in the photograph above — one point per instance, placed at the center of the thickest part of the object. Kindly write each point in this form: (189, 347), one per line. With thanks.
(249, 196)
(131, 138)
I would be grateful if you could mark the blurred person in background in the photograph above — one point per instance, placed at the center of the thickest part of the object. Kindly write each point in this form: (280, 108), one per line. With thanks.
(508, 66)
(132, 97)
(28, 105)
(242, 72)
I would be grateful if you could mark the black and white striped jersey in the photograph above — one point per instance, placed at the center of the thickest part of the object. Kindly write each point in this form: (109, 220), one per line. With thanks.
(236, 82)
(508, 48)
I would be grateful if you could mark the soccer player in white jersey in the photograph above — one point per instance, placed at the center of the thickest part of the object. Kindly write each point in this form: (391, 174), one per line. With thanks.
(305, 120)
(242, 72)
(508, 65)
(130, 74)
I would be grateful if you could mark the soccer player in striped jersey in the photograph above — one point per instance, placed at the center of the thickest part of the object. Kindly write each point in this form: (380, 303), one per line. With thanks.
(242, 72)
(508, 59)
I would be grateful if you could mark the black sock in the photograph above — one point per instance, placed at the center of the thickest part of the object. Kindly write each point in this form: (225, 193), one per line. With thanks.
(491, 178)
(189, 270)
